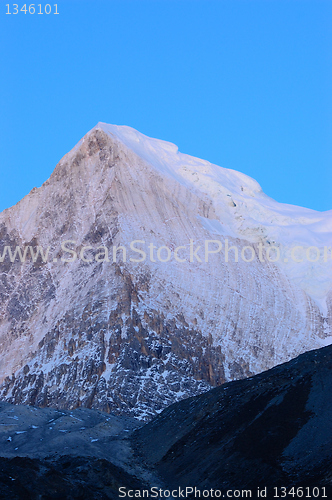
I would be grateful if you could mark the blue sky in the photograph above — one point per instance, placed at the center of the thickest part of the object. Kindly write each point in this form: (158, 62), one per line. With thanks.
(243, 84)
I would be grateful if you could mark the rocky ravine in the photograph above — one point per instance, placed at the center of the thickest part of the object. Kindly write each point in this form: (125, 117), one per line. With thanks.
(134, 337)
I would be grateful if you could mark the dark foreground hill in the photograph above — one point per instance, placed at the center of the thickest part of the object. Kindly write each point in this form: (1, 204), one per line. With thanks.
(272, 430)
(63, 478)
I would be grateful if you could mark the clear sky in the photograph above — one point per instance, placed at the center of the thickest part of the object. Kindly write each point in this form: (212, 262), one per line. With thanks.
(244, 84)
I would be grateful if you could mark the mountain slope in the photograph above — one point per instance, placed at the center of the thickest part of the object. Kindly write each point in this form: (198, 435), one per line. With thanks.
(134, 337)
(274, 429)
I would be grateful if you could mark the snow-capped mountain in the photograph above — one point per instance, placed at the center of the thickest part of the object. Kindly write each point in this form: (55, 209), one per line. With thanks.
(170, 313)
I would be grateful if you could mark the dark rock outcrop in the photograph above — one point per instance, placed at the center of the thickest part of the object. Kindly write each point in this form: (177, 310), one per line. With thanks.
(274, 429)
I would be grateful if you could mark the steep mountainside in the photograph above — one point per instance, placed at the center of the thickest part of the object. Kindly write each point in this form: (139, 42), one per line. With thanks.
(133, 337)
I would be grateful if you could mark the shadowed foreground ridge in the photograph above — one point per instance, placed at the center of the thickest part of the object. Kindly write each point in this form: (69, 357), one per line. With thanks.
(62, 478)
(274, 429)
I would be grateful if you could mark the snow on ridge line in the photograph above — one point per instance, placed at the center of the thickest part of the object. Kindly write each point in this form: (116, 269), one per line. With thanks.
(242, 209)
(156, 152)
(163, 153)
(148, 148)
(129, 135)
(217, 181)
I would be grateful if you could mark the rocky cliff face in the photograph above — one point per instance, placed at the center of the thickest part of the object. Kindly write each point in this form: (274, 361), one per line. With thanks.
(133, 337)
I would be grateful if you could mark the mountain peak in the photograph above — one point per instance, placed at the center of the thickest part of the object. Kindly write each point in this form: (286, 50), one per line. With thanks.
(109, 330)
(240, 208)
